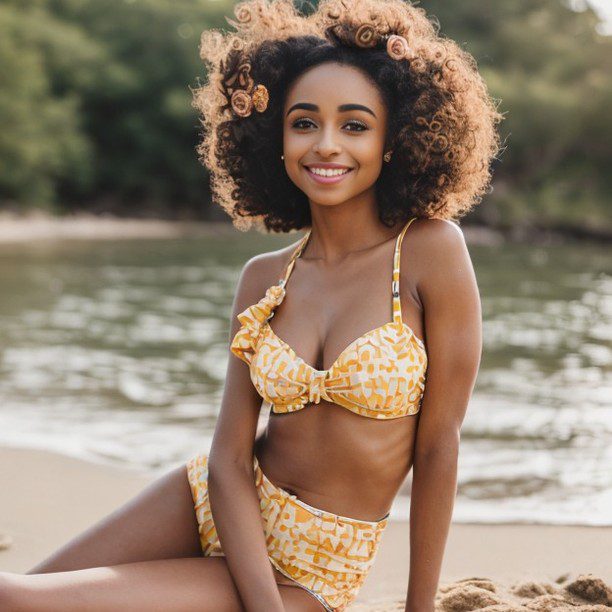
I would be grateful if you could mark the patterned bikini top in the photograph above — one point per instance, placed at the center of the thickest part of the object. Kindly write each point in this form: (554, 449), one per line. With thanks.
(380, 375)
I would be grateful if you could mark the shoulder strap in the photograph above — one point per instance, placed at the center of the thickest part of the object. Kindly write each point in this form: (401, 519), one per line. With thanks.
(296, 253)
(395, 288)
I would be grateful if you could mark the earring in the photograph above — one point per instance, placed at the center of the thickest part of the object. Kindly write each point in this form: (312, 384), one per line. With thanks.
(282, 157)
(387, 156)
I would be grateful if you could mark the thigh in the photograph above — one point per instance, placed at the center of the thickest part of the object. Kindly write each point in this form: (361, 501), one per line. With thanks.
(180, 585)
(158, 523)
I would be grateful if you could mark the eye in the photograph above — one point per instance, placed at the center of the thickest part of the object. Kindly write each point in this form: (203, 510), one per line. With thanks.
(358, 124)
(299, 123)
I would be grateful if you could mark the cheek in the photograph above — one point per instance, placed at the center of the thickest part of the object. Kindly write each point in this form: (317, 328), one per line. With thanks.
(293, 172)
(369, 155)
(293, 151)
(294, 144)
(367, 148)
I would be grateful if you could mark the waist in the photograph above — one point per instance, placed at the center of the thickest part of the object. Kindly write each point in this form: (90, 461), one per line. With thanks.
(379, 523)
(328, 472)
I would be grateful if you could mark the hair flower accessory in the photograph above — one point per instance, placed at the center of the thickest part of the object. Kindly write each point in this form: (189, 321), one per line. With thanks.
(398, 48)
(243, 102)
(366, 35)
(260, 98)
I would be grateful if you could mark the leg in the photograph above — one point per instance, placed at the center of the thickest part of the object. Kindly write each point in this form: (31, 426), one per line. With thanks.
(179, 585)
(159, 523)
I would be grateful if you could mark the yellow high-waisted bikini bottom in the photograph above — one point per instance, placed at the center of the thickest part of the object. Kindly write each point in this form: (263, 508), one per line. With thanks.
(326, 554)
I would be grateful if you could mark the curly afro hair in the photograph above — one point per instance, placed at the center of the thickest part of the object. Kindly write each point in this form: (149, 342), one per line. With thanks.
(442, 121)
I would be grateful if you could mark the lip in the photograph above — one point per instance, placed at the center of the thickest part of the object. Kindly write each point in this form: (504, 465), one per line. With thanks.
(326, 180)
(333, 165)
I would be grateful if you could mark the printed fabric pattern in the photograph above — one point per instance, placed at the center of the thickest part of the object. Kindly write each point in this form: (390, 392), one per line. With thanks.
(379, 375)
(324, 553)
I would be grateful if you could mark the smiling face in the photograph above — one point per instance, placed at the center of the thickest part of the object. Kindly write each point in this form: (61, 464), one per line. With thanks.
(334, 127)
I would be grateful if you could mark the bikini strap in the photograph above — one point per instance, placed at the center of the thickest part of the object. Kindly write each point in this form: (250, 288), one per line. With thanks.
(395, 288)
(296, 253)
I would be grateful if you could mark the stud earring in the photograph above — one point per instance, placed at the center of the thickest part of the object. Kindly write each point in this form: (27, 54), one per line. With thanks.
(282, 157)
(387, 156)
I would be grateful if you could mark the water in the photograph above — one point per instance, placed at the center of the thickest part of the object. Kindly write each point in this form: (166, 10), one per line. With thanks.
(116, 352)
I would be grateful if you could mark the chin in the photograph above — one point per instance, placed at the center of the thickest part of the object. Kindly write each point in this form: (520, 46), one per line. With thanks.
(327, 199)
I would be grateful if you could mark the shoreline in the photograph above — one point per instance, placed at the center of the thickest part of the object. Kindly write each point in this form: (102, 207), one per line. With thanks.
(507, 565)
(16, 229)
(398, 511)
(39, 225)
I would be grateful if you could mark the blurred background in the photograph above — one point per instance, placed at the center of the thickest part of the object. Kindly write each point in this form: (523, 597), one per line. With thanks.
(95, 106)
(115, 349)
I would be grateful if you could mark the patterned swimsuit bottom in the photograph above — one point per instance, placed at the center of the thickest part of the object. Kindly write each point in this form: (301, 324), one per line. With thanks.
(326, 554)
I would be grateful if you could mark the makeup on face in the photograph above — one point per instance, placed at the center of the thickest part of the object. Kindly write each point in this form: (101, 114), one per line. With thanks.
(330, 173)
(333, 138)
(327, 173)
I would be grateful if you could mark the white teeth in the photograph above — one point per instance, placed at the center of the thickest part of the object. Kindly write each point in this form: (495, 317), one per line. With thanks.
(328, 171)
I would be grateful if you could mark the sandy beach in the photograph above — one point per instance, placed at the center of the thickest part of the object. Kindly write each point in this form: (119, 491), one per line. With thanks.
(497, 568)
(48, 498)
(40, 226)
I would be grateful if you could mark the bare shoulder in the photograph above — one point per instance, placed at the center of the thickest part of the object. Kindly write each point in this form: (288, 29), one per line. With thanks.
(261, 272)
(437, 236)
(436, 248)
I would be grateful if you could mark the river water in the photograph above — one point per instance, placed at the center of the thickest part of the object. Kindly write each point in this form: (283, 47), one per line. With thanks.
(115, 351)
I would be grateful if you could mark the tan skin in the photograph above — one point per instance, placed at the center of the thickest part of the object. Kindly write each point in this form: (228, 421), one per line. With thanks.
(348, 242)
(328, 456)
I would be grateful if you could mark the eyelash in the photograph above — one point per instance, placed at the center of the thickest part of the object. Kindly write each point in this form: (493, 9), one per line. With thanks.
(351, 122)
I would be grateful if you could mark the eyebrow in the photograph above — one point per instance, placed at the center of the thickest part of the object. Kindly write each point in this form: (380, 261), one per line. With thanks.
(342, 108)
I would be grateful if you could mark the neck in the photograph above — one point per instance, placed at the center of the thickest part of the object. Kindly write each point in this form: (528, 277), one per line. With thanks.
(338, 231)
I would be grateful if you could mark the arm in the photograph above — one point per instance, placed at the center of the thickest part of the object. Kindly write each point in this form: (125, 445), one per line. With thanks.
(451, 304)
(231, 487)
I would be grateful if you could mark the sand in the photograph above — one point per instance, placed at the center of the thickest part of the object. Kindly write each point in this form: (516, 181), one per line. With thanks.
(40, 226)
(48, 498)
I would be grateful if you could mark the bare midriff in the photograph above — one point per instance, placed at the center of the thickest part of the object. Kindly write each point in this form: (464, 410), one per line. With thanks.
(337, 461)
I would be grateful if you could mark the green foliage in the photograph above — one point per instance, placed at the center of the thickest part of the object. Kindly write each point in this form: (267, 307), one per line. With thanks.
(550, 69)
(97, 102)
(95, 105)
(41, 141)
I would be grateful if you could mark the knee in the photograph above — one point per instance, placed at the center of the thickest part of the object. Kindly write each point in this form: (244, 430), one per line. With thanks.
(12, 592)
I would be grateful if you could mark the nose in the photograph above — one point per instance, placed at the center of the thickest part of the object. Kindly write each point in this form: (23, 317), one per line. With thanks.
(327, 144)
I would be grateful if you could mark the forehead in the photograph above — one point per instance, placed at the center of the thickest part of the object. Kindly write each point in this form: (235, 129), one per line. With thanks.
(332, 84)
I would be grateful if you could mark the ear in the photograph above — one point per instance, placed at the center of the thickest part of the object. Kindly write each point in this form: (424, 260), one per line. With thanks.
(389, 145)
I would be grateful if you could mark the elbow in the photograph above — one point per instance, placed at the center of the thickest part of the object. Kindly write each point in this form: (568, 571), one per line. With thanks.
(445, 448)
(221, 467)
(436, 463)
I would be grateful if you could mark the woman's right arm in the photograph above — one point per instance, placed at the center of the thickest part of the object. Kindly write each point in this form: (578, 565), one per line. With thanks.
(231, 485)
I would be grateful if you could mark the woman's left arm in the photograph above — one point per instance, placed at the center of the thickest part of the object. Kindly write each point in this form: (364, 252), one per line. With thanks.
(453, 331)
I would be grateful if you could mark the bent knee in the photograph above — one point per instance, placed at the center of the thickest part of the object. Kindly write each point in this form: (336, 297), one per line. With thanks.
(12, 593)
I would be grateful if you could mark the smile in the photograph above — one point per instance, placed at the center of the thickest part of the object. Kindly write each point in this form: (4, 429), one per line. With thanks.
(327, 175)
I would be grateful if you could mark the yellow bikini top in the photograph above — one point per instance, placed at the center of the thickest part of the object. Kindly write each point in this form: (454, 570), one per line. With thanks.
(380, 375)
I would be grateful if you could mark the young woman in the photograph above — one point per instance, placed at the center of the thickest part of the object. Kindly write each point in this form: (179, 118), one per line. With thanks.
(362, 126)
